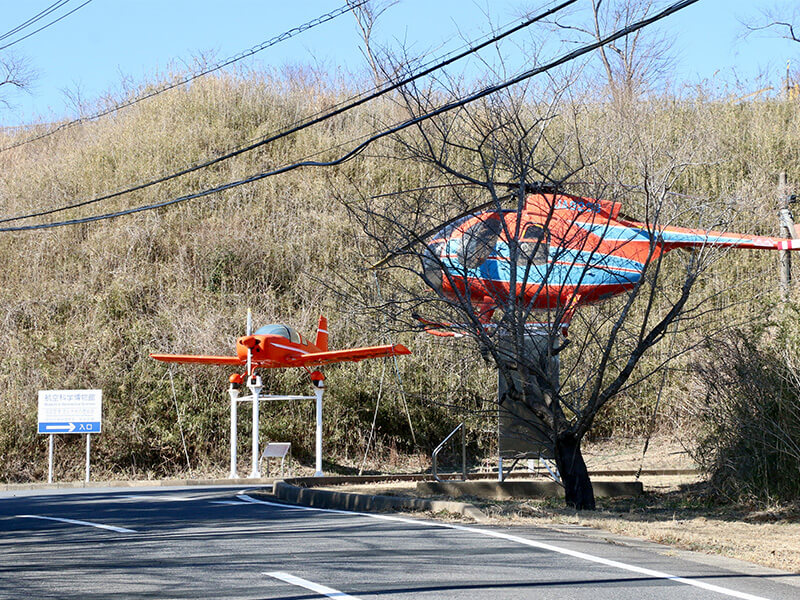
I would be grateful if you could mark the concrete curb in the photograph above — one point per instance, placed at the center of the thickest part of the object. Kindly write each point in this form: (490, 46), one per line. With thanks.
(524, 489)
(10, 487)
(302, 491)
(295, 492)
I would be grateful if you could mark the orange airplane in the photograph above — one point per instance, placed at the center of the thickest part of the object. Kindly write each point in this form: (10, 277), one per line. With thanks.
(280, 346)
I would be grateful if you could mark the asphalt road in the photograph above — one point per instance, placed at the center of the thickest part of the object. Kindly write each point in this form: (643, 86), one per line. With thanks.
(232, 543)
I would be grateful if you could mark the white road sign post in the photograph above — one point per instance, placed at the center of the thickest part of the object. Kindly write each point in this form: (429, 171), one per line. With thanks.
(70, 411)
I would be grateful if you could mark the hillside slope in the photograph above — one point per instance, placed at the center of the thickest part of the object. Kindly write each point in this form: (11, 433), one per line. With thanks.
(83, 306)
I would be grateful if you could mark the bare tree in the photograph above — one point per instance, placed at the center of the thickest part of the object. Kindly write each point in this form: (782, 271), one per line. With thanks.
(367, 15)
(781, 19)
(488, 161)
(15, 73)
(637, 61)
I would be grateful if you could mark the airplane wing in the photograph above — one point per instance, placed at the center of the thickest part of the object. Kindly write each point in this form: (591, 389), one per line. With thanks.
(205, 360)
(348, 355)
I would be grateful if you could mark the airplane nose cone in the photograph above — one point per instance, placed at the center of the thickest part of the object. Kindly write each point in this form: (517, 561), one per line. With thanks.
(249, 341)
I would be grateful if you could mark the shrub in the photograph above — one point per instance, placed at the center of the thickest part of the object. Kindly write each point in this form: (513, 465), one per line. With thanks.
(749, 442)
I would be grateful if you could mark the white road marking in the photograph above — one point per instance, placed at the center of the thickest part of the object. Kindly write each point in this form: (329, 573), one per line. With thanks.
(244, 499)
(74, 522)
(159, 498)
(310, 585)
(175, 498)
(533, 544)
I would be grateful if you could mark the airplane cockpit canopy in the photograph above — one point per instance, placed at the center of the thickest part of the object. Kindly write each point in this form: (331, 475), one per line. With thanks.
(282, 330)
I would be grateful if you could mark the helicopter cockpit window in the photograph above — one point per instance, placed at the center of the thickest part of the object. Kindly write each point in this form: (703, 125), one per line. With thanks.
(282, 330)
(534, 245)
(478, 242)
(432, 263)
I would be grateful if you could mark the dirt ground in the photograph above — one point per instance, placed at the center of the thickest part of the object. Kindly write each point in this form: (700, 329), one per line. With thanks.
(674, 510)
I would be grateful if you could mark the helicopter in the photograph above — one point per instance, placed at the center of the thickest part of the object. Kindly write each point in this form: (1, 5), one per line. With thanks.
(559, 253)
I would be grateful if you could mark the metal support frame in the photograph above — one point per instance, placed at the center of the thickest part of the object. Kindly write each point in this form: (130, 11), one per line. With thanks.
(319, 390)
(88, 451)
(541, 460)
(50, 459)
(552, 470)
(254, 385)
(255, 390)
(51, 453)
(233, 391)
(435, 454)
(501, 474)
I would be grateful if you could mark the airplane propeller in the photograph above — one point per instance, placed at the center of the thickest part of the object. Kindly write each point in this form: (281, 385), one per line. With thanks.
(250, 341)
(249, 332)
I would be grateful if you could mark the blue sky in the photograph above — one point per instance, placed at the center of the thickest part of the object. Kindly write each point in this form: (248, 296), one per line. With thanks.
(92, 50)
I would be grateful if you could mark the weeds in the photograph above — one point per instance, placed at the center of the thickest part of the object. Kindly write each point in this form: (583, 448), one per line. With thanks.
(84, 306)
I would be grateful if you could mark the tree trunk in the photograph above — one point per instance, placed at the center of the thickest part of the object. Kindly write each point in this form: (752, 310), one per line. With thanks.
(578, 492)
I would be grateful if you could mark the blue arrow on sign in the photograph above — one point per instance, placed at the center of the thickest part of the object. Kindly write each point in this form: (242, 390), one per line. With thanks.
(71, 427)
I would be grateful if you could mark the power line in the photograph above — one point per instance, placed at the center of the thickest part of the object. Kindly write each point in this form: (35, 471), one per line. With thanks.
(392, 130)
(315, 119)
(64, 16)
(194, 196)
(200, 194)
(227, 62)
(34, 18)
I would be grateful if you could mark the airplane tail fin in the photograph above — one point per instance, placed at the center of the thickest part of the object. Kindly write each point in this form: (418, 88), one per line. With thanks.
(322, 334)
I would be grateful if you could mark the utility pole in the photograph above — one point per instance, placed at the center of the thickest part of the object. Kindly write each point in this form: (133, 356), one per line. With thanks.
(788, 92)
(788, 231)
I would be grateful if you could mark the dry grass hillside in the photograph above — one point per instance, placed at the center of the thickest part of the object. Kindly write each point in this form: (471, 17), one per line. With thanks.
(82, 306)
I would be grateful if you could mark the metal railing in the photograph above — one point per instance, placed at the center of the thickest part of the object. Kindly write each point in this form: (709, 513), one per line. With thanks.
(463, 452)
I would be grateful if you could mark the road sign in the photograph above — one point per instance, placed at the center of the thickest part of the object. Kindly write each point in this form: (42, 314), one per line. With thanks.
(70, 411)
